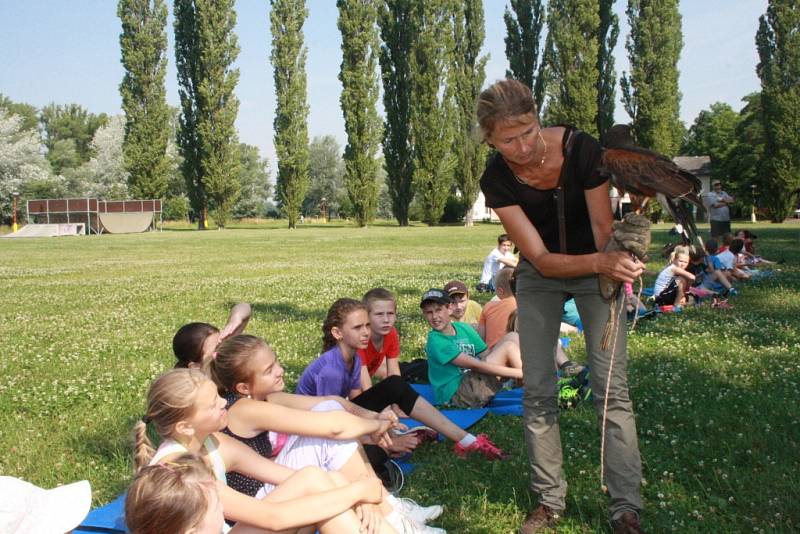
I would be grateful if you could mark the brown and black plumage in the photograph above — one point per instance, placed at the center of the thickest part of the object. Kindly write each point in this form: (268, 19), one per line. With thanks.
(645, 174)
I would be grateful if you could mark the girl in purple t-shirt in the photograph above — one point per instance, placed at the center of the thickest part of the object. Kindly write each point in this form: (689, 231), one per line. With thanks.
(337, 370)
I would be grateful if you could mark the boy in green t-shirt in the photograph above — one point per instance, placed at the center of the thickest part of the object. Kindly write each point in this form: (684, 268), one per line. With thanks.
(460, 368)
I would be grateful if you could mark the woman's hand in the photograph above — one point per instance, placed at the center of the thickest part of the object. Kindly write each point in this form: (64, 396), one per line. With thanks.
(619, 265)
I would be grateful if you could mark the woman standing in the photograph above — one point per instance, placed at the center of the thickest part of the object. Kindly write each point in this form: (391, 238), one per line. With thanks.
(545, 187)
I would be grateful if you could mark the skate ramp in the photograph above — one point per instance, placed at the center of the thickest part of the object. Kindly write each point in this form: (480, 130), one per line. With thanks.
(126, 223)
(48, 230)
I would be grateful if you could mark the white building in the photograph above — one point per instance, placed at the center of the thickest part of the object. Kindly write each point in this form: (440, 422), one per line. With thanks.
(481, 213)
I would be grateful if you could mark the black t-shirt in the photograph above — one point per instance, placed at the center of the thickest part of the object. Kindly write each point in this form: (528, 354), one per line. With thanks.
(259, 443)
(579, 172)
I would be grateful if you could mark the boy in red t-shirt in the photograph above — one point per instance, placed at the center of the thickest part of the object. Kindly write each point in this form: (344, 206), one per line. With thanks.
(380, 359)
(380, 356)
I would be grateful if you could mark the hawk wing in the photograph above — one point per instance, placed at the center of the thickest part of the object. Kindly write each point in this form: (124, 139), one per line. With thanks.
(644, 173)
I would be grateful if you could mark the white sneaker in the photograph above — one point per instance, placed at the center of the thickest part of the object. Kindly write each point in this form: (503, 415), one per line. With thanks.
(404, 525)
(413, 511)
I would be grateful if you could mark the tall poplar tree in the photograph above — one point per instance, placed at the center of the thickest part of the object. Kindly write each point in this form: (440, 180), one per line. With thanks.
(288, 59)
(572, 32)
(143, 43)
(358, 74)
(430, 114)
(650, 92)
(187, 62)
(466, 81)
(205, 49)
(778, 42)
(607, 35)
(523, 37)
(218, 105)
(394, 18)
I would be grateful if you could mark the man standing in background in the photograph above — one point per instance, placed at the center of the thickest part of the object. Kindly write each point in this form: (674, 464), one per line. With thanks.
(719, 213)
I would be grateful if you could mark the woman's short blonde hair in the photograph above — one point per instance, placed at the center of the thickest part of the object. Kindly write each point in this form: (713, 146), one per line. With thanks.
(504, 101)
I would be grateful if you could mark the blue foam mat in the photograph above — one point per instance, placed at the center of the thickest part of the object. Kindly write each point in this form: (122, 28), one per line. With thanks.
(507, 402)
(109, 518)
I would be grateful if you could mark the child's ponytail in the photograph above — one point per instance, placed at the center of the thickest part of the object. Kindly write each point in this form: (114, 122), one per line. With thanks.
(171, 399)
(337, 315)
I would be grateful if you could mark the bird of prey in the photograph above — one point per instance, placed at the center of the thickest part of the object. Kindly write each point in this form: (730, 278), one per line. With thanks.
(644, 174)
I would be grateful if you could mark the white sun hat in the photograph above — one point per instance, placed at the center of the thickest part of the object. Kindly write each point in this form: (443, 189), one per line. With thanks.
(29, 509)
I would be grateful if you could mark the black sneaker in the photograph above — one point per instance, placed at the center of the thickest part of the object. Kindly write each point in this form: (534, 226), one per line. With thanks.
(570, 368)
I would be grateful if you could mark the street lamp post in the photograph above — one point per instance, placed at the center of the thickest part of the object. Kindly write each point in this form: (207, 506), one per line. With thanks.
(14, 225)
(753, 209)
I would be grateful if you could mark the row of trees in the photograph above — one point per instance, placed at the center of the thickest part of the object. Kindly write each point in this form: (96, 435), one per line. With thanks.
(426, 56)
(431, 71)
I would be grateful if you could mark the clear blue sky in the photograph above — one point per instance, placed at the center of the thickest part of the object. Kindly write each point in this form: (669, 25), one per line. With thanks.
(67, 51)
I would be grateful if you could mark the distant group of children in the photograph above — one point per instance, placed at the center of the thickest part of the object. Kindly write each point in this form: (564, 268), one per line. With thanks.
(692, 275)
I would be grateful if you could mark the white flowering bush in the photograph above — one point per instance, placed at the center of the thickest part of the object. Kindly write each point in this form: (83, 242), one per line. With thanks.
(21, 162)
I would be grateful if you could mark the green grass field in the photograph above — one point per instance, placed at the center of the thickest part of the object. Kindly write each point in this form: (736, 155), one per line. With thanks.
(86, 323)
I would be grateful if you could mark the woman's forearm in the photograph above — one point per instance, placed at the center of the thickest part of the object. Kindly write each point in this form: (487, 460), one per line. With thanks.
(565, 266)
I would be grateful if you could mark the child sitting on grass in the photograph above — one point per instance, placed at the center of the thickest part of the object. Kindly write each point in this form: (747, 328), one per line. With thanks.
(177, 496)
(494, 317)
(379, 358)
(707, 275)
(194, 343)
(337, 371)
(187, 413)
(298, 431)
(729, 258)
(462, 308)
(454, 348)
(749, 250)
(674, 280)
(500, 256)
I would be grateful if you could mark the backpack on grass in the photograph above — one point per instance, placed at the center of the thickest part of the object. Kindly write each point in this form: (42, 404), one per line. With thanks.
(573, 390)
(415, 371)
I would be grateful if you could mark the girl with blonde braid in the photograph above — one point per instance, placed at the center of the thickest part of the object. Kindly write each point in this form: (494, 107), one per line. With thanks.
(188, 414)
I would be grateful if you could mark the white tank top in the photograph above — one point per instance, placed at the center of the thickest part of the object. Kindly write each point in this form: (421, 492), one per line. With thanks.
(170, 446)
